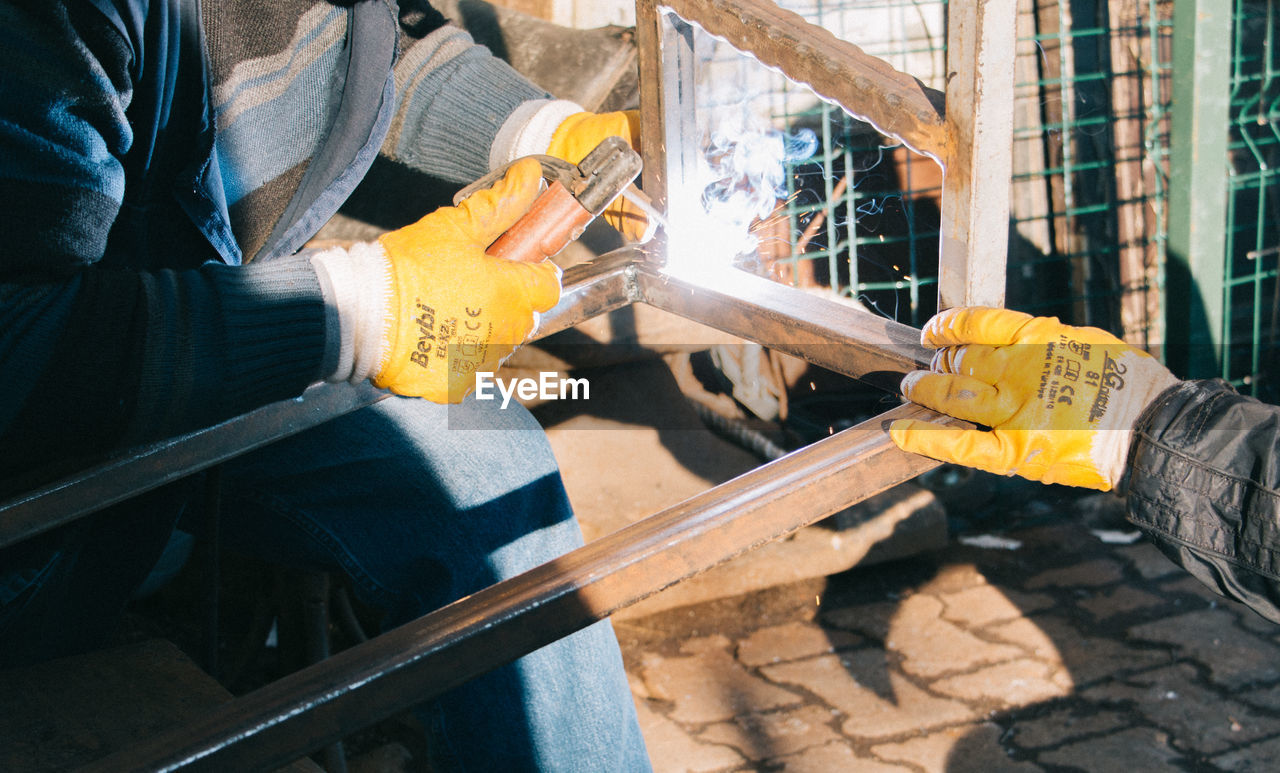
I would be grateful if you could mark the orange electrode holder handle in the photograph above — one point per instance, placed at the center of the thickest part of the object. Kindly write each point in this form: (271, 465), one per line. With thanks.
(555, 219)
(576, 194)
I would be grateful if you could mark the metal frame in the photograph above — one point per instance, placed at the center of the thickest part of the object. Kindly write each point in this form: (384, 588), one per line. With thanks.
(321, 704)
(360, 686)
(971, 139)
(825, 333)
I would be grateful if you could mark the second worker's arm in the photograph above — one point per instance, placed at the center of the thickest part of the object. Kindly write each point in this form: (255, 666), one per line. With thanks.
(1077, 406)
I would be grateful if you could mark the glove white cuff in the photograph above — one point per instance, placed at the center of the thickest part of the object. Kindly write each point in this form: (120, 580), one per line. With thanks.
(357, 282)
(1146, 379)
(528, 130)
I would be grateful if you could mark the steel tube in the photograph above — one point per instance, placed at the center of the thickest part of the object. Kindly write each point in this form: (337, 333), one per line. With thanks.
(832, 335)
(835, 336)
(135, 471)
(388, 674)
(1196, 303)
(591, 289)
(974, 228)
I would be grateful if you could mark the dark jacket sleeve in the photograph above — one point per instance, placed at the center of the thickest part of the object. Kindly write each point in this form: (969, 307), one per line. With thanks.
(1205, 486)
(92, 356)
(106, 358)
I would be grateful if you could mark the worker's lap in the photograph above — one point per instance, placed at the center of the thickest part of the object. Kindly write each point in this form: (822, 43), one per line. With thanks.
(419, 503)
(61, 591)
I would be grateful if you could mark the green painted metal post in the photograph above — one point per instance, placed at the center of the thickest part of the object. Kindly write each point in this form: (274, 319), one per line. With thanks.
(1194, 299)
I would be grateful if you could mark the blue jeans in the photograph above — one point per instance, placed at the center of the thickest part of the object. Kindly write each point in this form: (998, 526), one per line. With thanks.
(419, 504)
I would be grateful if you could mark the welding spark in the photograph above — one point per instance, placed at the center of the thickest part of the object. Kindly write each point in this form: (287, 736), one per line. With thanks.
(871, 303)
(642, 203)
(777, 216)
(814, 224)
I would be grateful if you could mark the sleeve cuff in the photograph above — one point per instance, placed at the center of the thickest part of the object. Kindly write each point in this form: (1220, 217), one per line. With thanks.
(358, 291)
(528, 130)
(453, 97)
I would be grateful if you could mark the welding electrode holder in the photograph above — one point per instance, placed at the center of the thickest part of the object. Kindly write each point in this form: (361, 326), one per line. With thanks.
(576, 194)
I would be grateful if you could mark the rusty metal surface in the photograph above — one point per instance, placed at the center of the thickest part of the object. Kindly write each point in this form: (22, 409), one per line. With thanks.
(652, 126)
(866, 86)
(420, 660)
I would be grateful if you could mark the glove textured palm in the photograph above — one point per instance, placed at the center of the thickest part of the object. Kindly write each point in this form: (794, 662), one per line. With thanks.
(453, 311)
(578, 135)
(1060, 401)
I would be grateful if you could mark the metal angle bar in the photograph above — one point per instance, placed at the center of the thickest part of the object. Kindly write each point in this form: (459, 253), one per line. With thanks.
(868, 87)
(422, 659)
(138, 470)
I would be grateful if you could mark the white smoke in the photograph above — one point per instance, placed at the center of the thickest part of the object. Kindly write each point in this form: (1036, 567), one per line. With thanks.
(740, 174)
(740, 178)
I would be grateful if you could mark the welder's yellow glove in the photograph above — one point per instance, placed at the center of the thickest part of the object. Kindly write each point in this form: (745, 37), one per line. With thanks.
(456, 311)
(1060, 401)
(578, 135)
(423, 309)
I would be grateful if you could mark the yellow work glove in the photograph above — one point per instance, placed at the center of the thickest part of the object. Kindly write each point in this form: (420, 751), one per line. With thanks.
(1060, 401)
(578, 135)
(423, 309)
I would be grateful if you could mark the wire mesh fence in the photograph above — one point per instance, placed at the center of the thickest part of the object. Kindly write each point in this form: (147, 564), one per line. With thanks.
(1251, 291)
(1090, 203)
(861, 215)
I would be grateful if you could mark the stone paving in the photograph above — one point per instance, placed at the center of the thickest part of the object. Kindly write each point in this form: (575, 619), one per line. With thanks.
(1083, 648)
(1066, 653)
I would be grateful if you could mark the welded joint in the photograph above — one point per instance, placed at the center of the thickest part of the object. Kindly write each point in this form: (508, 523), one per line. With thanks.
(631, 281)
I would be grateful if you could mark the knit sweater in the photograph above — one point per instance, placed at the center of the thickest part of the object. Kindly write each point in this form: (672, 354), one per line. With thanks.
(160, 166)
